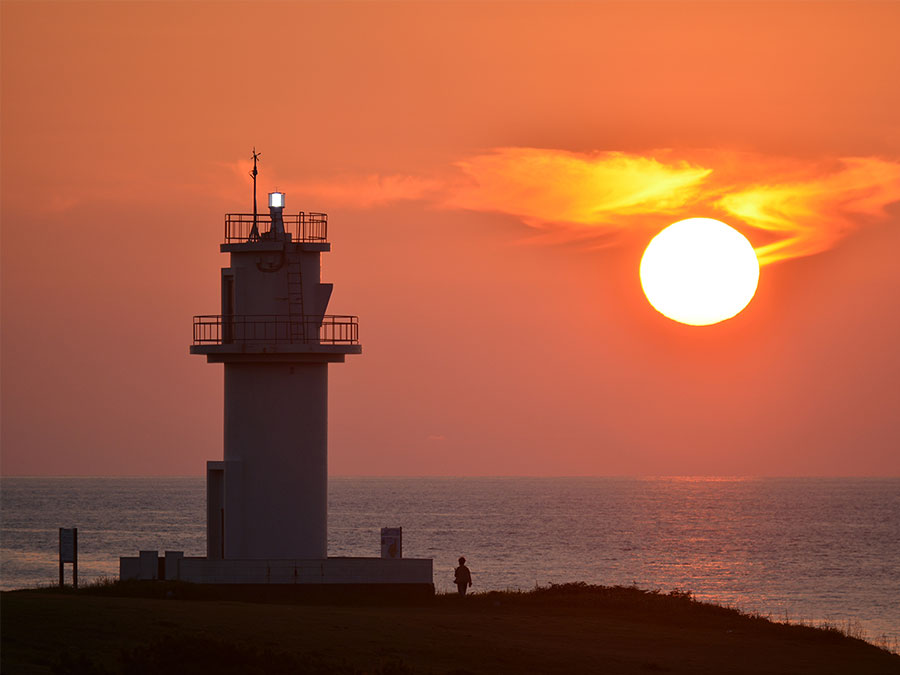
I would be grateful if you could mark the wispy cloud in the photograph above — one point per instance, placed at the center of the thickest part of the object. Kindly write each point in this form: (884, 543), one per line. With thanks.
(598, 190)
(371, 190)
(807, 207)
(812, 214)
(349, 190)
(787, 207)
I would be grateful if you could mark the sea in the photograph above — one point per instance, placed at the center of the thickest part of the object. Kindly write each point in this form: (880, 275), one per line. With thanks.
(812, 550)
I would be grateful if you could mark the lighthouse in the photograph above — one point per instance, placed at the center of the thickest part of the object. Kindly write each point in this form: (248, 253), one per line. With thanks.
(267, 498)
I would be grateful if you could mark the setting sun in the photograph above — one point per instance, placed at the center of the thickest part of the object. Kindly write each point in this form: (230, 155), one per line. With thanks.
(699, 271)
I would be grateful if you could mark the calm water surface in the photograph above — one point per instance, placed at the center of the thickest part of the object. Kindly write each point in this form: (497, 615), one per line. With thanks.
(804, 549)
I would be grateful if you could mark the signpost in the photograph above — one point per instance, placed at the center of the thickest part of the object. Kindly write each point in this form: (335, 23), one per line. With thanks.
(68, 553)
(391, 542)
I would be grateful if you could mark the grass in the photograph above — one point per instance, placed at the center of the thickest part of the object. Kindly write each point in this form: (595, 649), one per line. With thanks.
(114, 627)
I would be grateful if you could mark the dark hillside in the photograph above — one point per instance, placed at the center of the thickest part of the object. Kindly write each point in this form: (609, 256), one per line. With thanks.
(572, 628)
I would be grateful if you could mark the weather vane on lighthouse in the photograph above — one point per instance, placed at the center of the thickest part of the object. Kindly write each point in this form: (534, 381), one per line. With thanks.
(254, 232)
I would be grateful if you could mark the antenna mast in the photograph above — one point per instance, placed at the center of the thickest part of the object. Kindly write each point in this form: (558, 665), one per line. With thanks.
(254, 233)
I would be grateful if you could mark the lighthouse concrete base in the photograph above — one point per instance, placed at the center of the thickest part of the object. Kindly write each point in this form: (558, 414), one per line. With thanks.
(345, 571)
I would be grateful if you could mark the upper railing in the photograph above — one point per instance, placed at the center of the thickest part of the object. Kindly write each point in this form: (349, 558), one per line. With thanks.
(268, 328)
(303, 227)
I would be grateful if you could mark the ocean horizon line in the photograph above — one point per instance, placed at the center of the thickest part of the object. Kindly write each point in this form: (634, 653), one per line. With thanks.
(648, 476)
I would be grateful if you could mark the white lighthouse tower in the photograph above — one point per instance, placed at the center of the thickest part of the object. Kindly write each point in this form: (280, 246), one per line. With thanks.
(267, 499)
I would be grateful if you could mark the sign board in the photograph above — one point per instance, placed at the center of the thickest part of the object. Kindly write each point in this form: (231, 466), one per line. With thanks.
(67, 545)
(391, 542)
(68, 553)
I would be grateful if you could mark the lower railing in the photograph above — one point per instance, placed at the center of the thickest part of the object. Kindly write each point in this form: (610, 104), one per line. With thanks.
(264, 328)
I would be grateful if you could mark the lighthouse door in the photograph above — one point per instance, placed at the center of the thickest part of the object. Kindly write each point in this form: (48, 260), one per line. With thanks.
(215, 510)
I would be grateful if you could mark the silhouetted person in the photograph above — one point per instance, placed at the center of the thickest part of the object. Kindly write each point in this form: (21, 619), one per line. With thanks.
(462, 577)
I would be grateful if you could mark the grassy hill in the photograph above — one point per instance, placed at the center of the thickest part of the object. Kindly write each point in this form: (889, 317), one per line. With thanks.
(572, 628)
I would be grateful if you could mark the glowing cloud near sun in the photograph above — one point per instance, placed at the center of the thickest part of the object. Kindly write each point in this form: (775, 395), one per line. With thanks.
(800, 207)
(597, 190)
(812, 214)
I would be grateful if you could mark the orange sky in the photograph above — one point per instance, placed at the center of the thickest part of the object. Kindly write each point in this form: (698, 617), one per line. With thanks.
(492, 173)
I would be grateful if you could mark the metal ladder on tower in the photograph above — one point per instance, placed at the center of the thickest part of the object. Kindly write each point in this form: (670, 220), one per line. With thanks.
(297, 317)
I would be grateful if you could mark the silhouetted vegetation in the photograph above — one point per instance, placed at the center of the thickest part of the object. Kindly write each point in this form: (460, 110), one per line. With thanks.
(109, 627)
(180, 654)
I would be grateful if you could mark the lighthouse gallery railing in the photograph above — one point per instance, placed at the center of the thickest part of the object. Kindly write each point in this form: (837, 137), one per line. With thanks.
(331, 329)
(303, 227)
